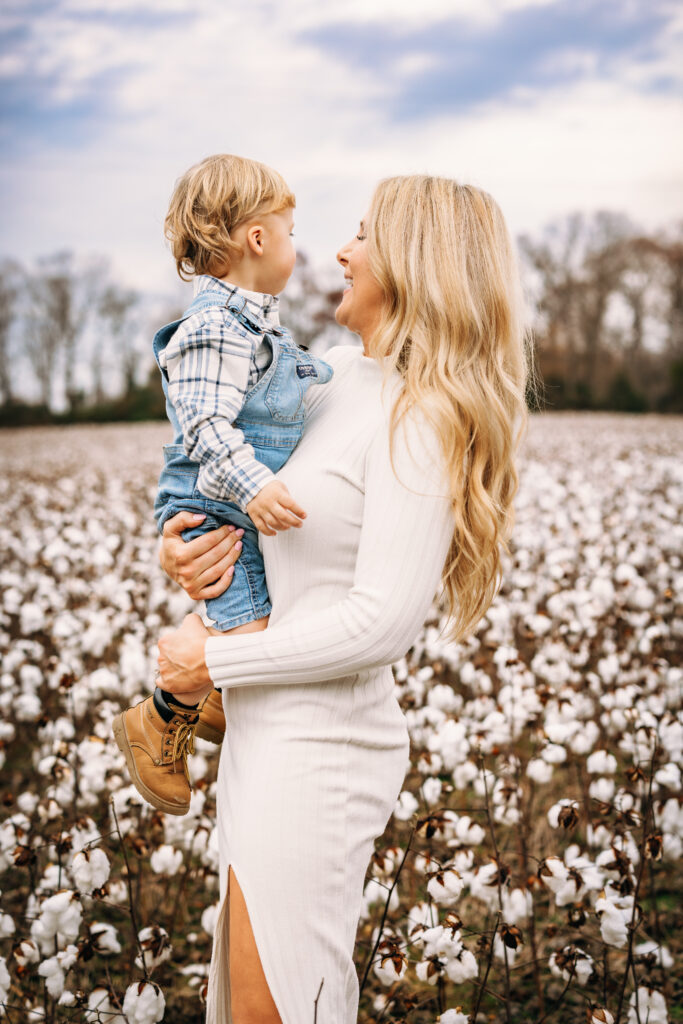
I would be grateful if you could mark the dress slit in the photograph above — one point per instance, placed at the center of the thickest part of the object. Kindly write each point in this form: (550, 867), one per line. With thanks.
(218, 1000)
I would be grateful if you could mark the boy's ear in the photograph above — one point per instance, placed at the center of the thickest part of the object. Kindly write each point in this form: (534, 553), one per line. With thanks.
(255, 239)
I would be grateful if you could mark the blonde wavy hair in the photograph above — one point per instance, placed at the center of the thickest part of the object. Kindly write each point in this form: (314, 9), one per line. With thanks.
(212, 199)
(453, 326)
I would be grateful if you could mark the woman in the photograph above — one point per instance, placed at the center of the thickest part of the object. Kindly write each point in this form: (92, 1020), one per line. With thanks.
(406, 473)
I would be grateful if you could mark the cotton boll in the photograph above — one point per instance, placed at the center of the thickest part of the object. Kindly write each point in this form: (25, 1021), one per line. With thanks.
(155, 945)
(431, 970)
(602, 789)
(59, 918)
(462, 967)
(210, 918)
(7, 926)
(144, 1003)
(455, 1016)
(5, 981)
(661, 953)
(406, 806)
(601, 762)
(166, 860)
(651, 1007)
(104, 939)
(599, 1015)
(377, 892)
(90, 869)
(445, 887)
(390, 969)
(431, 791)
(553, 873)
(539, 770)
(517, 905)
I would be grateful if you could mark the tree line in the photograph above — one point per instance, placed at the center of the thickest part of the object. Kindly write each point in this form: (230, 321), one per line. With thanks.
(607, 302)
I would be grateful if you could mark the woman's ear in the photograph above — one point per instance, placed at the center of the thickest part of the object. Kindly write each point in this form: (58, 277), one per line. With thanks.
(255, 239)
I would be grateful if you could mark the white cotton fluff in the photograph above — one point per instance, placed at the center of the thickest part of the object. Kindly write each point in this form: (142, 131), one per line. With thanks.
(430, 970)
(601, 762)
(453, 1017)
(156, 947)
(54, 970)
(210, 918)
(166, 860)
(60, 919)
(540, 770)
(90, 869)
(651, 1007)
(468, 832)
(377, 892)
(613, 922)
(144, 1003)
(578, 965)
(7, 926)
(601, 1016)
(406, 806)
(445, 887)
(387, 971)
(431, 791)
(662, 953)
(104, 939)
(462, 968)
(554, 873)
(4, 981)
(101, 1008)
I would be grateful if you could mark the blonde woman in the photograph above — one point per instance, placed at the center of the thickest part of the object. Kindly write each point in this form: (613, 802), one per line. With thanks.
(406, 472)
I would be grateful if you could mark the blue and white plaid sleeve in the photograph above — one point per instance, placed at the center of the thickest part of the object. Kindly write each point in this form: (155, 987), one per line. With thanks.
(209, 365)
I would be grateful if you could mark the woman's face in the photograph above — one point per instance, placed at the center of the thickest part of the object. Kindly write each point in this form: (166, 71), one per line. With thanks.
(363, 298)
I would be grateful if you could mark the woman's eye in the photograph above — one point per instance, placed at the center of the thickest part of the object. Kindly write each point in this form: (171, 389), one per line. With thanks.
(361, 238)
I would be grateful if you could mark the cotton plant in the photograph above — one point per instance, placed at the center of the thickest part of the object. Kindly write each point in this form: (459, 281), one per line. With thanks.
(555, 729)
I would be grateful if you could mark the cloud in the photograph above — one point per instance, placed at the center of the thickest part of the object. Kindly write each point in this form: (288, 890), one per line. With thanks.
(104, 108)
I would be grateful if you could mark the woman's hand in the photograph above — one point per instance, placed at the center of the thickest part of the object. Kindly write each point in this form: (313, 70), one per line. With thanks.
(204, 566)
(181, 661)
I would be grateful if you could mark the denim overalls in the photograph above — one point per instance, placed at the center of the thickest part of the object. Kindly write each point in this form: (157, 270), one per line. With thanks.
(272, 421)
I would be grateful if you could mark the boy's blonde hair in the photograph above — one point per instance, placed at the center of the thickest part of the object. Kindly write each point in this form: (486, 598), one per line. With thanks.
(210, 201)
(454, 326)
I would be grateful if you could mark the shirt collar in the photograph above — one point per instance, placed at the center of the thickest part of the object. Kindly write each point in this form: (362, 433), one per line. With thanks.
(265, 306)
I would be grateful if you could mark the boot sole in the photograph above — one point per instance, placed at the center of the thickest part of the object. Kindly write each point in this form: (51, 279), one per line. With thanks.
(205, 732)
(121, 737)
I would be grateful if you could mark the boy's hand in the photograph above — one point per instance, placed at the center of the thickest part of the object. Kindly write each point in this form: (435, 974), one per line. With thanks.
(274, 509)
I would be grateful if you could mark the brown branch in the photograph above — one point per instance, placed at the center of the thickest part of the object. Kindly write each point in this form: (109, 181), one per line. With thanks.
(384, 914)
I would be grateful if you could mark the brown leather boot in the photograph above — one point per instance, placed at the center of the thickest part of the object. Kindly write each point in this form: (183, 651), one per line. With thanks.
(211, 724)
(156, 753)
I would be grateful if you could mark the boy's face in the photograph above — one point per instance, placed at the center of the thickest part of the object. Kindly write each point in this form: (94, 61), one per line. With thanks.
(279, 255)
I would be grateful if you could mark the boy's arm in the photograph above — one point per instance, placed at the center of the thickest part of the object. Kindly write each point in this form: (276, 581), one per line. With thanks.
(208, 374)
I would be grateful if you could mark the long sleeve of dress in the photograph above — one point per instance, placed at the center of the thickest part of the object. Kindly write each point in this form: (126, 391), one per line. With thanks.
(407, 527)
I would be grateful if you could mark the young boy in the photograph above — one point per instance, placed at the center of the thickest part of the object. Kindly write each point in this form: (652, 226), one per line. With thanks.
(234, 382)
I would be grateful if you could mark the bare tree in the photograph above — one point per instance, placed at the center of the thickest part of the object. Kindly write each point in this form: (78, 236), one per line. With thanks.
(116, 306)
(61, 297)
(11, 285)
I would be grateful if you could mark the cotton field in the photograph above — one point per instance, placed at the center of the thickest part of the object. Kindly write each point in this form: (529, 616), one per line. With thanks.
(531, 870)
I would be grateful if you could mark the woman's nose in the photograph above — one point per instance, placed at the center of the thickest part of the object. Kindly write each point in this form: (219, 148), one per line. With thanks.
(342, 257)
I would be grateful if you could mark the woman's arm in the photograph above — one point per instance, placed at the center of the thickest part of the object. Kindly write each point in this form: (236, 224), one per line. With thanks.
(406, 532)
(204, 566)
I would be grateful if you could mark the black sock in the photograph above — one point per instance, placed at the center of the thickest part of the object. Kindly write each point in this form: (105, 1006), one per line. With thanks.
(161, 698)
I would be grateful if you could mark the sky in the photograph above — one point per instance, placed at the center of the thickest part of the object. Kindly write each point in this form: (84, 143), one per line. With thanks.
(551, 105)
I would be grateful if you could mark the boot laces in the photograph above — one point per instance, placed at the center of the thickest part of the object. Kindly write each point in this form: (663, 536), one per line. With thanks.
(183, 744)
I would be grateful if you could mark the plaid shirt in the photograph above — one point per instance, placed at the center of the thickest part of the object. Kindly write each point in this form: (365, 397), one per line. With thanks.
(212, 360)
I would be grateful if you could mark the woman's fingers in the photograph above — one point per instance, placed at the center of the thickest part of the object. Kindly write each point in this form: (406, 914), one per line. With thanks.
(209, 559)
(217, 588)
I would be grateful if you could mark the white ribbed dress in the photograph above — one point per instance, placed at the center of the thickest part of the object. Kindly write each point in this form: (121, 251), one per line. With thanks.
(316, 747)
